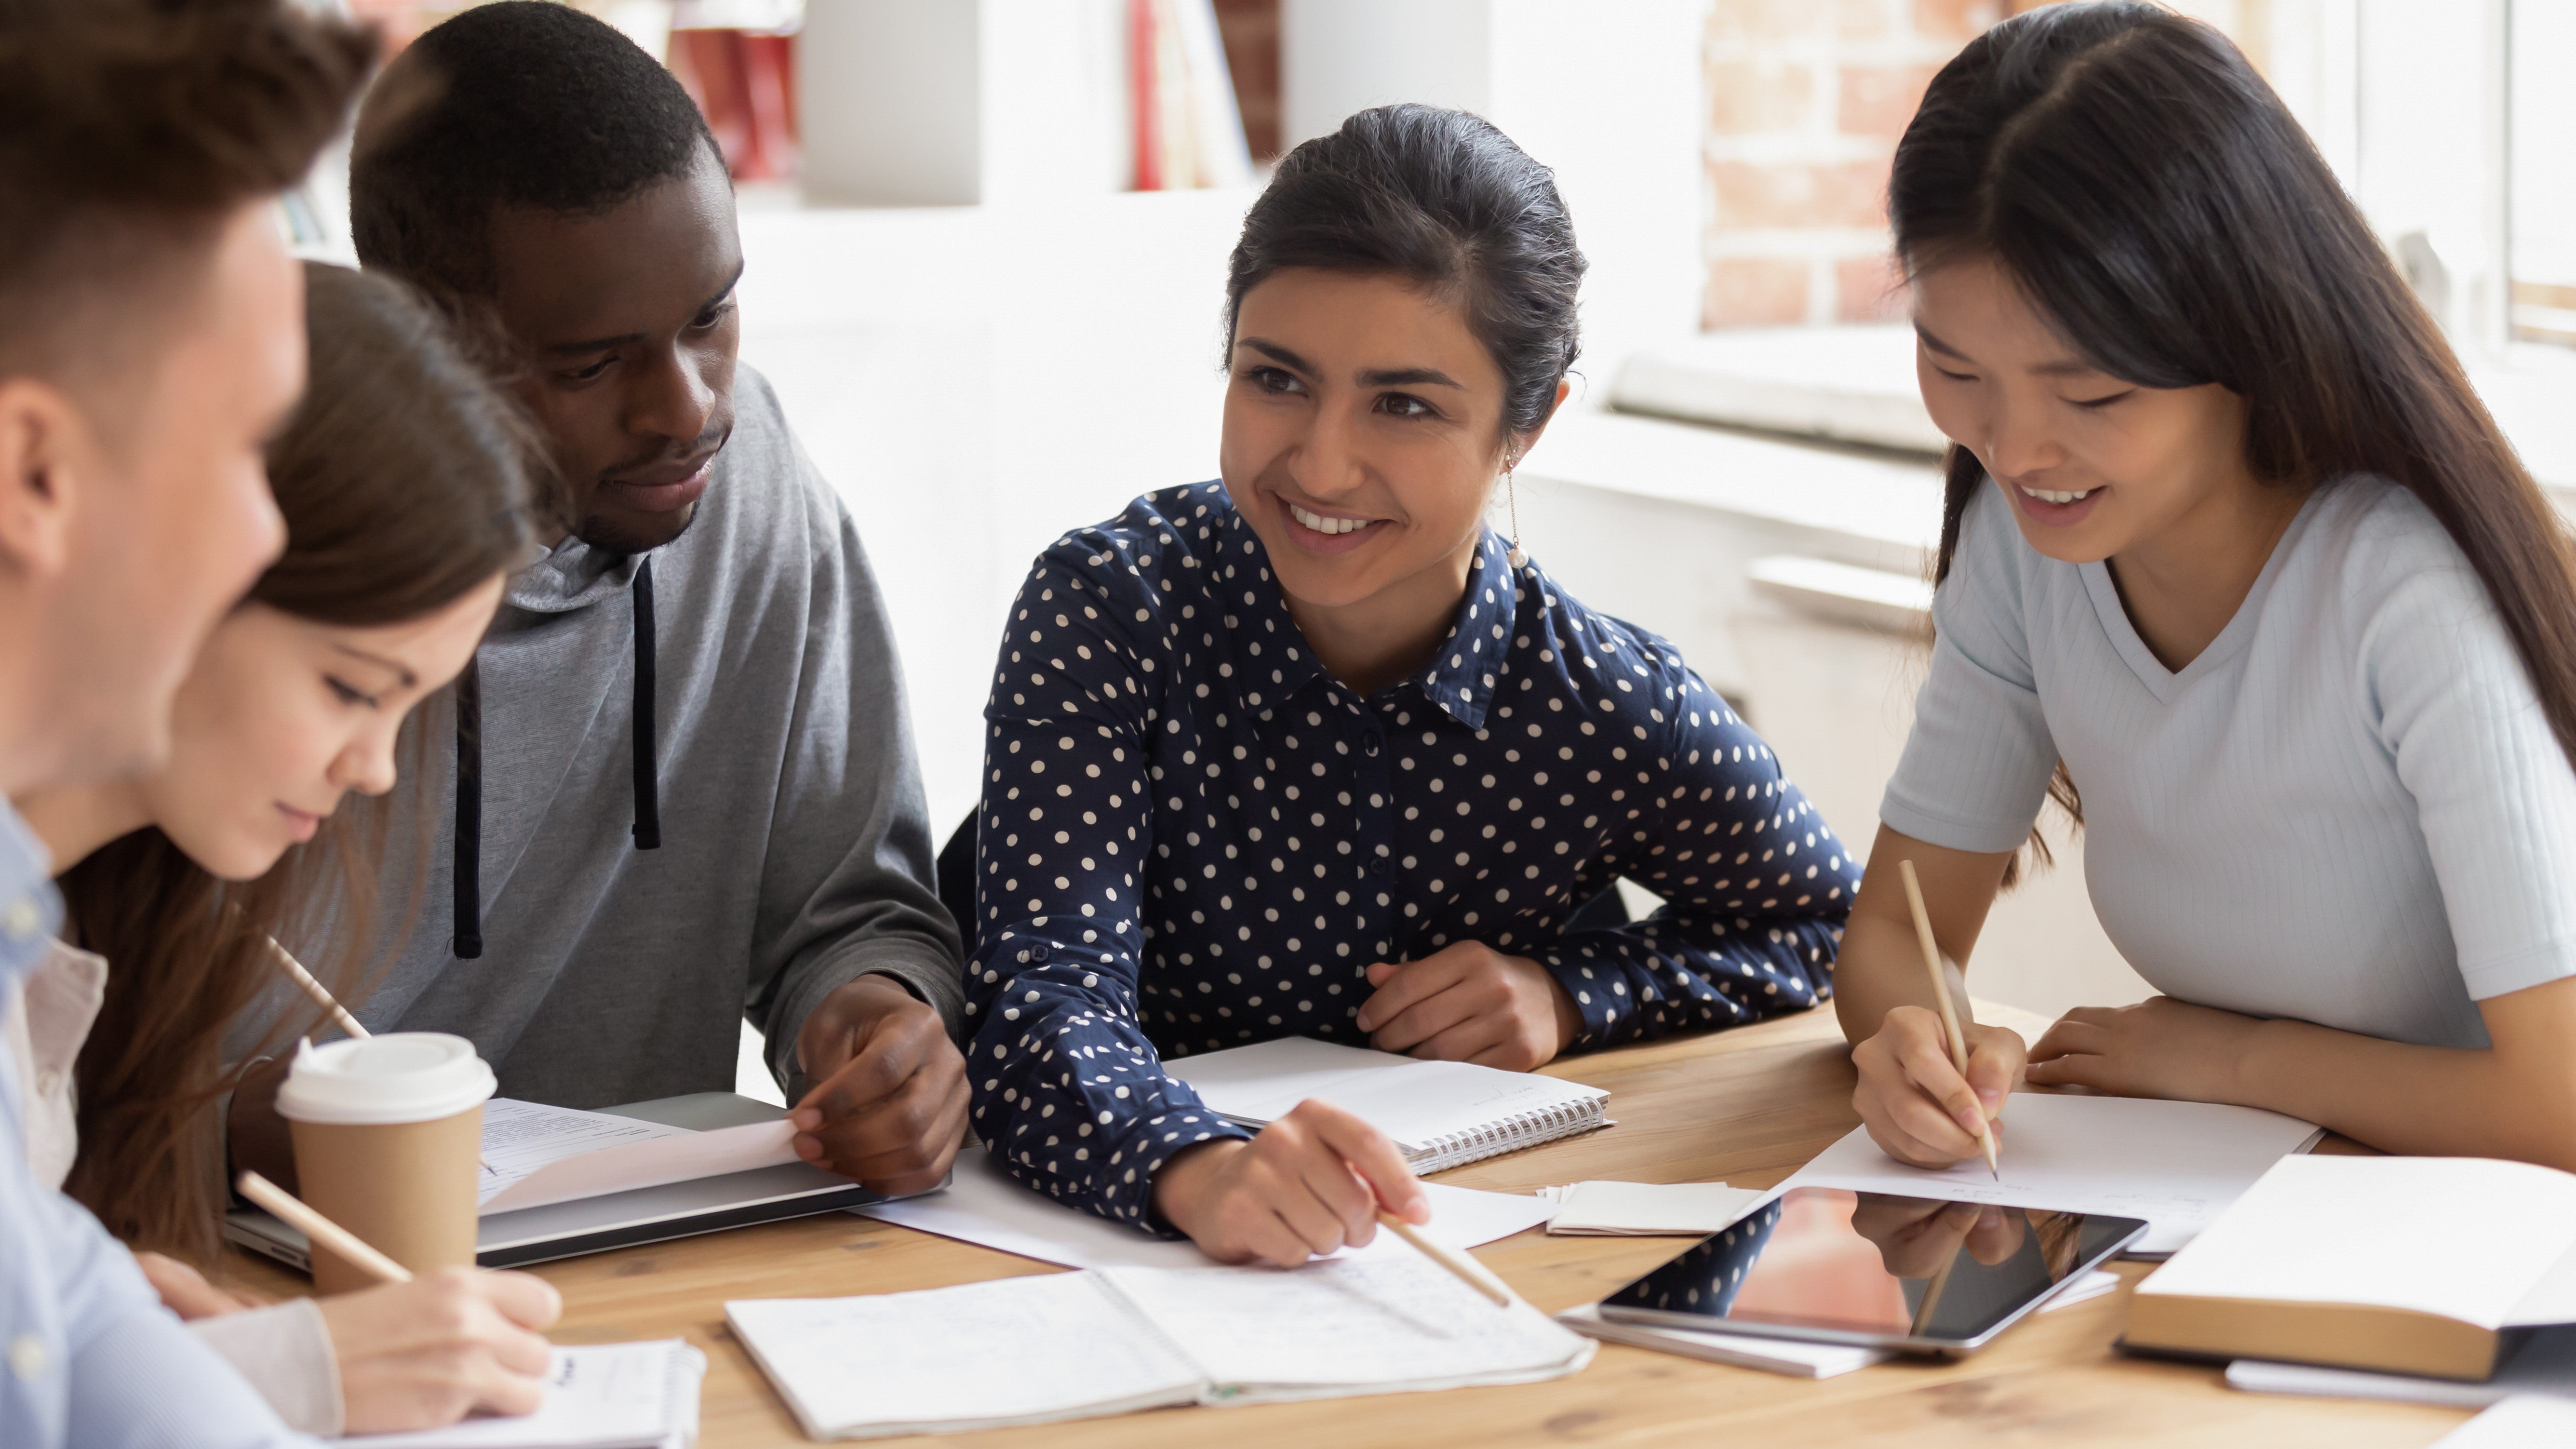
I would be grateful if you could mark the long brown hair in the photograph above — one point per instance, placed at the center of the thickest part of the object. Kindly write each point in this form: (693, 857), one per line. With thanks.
(2153, 197)
(404, 478)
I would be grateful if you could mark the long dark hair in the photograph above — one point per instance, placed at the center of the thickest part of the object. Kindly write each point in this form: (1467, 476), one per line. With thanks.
(2158, 204)
(404, 478)
(1442, 200)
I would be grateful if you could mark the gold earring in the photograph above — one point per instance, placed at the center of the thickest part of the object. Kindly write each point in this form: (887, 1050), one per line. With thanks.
(1511, 493)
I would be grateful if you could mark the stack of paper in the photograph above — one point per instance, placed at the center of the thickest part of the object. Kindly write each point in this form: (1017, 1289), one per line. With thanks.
(1647, 1209)
(2176, 1164)
(599, 1396)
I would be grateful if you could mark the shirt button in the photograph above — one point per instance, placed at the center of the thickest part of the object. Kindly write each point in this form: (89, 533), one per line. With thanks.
(1370, 745)
(1377, 866)
(29, 1358)
(49, 1082)
(20, 921)
(1037, 953)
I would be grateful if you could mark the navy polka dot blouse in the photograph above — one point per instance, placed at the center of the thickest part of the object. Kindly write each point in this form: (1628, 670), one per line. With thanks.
(1194, 837)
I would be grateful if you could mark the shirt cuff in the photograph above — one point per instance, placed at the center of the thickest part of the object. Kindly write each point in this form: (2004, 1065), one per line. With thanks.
(284, 1350)
(1981, 837)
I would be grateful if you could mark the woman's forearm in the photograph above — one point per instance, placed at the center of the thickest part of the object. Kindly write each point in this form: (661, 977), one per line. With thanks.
(2445, 1101)
(1880, 969)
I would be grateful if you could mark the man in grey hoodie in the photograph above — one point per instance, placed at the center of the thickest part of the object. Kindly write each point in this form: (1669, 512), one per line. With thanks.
(681, 787)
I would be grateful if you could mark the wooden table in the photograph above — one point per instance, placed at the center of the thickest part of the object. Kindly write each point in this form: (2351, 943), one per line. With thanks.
(1746, 1107)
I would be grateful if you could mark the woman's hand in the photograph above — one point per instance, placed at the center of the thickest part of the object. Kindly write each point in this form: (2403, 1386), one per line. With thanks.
(1310, 1183)
(1917, 1107)
(2158, 1048)
(426, 1353)
(185, 1291)
(1470, 1003)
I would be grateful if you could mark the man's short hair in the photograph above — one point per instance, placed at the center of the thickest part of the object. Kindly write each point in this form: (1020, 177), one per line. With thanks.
(525, 103)
(129, 130)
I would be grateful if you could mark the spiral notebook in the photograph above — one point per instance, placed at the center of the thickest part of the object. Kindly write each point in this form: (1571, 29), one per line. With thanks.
(1443, 1114)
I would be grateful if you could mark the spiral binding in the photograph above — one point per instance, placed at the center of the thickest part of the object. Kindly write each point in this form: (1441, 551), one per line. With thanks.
(1508, 1134)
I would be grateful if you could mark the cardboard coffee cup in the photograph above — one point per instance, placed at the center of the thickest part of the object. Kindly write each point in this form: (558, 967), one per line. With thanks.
(388, 1137)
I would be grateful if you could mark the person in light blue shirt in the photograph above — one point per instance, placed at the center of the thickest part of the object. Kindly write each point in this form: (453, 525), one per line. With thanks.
(151, 338)
(2234, 562)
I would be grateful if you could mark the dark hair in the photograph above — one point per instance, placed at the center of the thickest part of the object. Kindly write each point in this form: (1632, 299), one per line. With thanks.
(2158, 204)
(129, 129)
(1445, 201)
(404, 478)
(524, 103)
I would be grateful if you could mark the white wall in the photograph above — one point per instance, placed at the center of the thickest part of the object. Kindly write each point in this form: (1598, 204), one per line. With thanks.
(1607, 95)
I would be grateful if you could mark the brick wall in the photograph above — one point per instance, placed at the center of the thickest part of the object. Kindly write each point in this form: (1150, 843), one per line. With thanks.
(1805, 101)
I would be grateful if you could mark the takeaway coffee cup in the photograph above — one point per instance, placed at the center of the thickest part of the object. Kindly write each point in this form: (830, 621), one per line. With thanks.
(388, 1136)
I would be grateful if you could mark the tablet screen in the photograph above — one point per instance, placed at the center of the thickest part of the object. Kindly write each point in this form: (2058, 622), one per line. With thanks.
(1873, 1263)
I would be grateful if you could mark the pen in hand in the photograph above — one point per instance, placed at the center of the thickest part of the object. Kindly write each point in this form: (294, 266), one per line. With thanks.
(1949, 1012)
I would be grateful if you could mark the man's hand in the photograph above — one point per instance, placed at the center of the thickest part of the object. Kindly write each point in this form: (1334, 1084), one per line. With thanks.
(888, 1105)
(1917, 1107)
(2158, 1048)
(1470, 1003)
(1309, 1184)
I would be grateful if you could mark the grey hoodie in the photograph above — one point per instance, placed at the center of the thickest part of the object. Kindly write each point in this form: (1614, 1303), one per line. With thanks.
(795, 849)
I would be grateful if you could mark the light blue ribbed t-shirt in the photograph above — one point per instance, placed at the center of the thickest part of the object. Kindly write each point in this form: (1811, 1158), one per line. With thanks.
(2348, 809)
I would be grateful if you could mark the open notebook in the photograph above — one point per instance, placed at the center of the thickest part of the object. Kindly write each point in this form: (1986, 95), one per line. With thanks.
(1114, 1340)
(1442, 1114)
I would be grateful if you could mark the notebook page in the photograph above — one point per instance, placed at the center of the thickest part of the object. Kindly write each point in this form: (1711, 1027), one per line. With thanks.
(1642, 1208)
(1345, 1325)
(1261, 1082)
(1430, 1100)
(2462, 1237)
(1012, 1351)
(2176, 1164)
(627, 1395)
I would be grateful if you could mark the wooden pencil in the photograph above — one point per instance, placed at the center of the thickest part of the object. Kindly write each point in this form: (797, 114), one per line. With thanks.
(1461, 1267)
(320, 993)
(1949, 1012)
(321, 1231)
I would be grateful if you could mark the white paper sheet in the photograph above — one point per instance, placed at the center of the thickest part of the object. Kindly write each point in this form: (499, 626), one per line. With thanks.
(598, 1396)
(2176, 1164)
(535, 1155)
(1344, 1325)
(981, 1204)
(2462, 1237)
(2525, 1421)
(1648, 1209)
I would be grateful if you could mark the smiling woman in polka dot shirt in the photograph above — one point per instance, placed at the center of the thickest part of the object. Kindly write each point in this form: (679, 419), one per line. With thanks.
(1310, 752)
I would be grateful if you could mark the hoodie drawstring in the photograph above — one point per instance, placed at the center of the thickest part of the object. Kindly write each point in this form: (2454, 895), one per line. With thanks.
(648, 795)
(468, 942)
(469, 813)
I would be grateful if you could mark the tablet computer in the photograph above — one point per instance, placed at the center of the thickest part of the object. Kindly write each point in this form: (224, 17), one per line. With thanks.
(1918, 1275)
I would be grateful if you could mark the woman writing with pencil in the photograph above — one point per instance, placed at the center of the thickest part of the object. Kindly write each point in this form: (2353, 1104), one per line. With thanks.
(2234, 563)
(402, 483)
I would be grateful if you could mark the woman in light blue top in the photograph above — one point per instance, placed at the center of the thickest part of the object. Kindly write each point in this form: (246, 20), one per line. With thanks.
(2235, 565)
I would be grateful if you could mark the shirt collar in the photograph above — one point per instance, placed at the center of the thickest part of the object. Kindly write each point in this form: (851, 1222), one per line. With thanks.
(1271, 662)
(30, 910)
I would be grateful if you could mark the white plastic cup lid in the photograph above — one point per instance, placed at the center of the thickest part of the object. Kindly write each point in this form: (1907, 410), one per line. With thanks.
(402, 1076)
